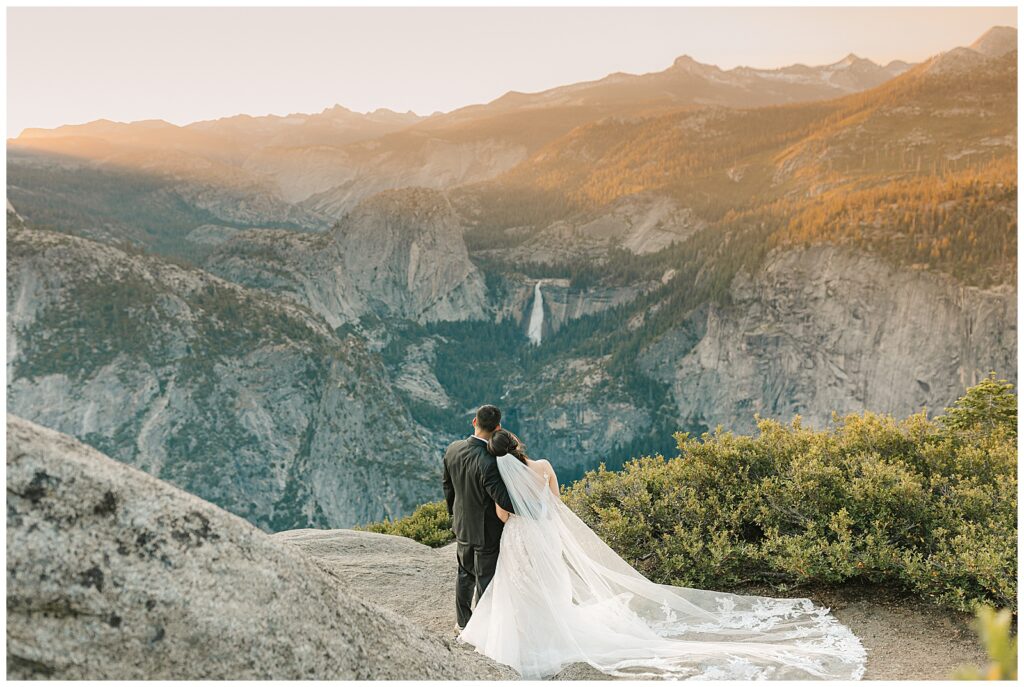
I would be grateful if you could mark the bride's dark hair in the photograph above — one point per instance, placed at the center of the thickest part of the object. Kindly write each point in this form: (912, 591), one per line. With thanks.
(504, 441)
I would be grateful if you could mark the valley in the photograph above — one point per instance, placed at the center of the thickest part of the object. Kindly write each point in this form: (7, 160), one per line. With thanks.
(292, 319)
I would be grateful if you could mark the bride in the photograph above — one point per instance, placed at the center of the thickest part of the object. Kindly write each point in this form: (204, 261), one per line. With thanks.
(560, 595)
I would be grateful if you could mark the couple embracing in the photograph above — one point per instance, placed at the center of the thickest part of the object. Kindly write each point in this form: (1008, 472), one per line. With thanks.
(550, 593)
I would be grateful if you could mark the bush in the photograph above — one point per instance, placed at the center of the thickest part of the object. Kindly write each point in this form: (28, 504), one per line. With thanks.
(929, 506)
(429, 524)
(1000, 644)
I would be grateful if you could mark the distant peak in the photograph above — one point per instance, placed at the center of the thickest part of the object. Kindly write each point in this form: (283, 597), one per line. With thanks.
(997, 41)
(154, 123)
(1005, 31)
(385, 112)
(897, 67)
(336, 109)
(508, 98)
(852, 59)
(685, 63)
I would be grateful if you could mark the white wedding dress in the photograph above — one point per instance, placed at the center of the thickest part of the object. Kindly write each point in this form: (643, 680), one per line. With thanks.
(560, 595)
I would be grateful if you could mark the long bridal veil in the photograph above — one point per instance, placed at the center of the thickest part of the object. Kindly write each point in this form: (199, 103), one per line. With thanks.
(560, 595)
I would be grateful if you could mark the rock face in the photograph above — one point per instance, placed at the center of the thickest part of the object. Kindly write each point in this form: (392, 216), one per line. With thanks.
(384, 570)
(399, 254)
(404, 576)
(571, 414)
(561, 301)
(304, 268)
(416, 377)
(244, 399)
(823, 328)
(404, 250)
(113, 574)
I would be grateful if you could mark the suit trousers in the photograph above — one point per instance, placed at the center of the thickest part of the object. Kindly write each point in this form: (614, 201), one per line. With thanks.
(476, 569)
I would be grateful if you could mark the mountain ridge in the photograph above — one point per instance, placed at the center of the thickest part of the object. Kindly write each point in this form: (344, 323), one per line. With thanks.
(413, 117)
(323, 169)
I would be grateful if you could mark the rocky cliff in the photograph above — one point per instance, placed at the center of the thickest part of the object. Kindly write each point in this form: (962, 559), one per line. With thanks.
(247, 400)
(825, 328)
(399, 254)
(115, 575)
(562, 302)
(574, 414)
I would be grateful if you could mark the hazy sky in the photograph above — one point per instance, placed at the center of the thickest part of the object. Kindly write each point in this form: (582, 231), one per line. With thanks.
(72, 65)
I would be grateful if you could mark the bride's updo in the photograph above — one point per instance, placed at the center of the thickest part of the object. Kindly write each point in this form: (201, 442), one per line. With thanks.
(504, 441)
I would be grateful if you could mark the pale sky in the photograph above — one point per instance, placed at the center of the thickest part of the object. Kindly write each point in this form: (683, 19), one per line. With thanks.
(71, 65)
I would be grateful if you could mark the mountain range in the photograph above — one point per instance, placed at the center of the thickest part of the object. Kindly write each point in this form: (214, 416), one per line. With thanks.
(327, 162)
(291, 316)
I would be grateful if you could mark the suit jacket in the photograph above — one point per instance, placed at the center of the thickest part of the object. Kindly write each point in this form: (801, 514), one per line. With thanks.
(472, 485)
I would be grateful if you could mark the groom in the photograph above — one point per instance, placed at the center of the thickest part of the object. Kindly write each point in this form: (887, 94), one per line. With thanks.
(472, 485)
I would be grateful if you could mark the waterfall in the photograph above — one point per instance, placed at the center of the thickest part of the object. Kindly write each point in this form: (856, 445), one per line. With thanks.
(536, 316)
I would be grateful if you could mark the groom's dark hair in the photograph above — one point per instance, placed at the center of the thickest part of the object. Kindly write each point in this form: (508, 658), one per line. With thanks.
(488, 418)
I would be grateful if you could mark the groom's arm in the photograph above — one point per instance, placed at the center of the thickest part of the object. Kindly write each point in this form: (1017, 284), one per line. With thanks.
(449, 489)
(495, 487)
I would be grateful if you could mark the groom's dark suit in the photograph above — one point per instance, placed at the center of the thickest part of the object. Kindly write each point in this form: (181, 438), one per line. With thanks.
(472, 485)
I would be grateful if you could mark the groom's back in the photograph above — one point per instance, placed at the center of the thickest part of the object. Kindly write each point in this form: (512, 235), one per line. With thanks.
(473, 517)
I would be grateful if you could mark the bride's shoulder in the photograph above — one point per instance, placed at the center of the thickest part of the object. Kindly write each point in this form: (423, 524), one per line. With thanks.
(540, 465)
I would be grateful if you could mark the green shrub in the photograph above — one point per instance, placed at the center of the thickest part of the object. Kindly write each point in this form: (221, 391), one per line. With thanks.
(429, 524)
(1000, 644)
(929, 506)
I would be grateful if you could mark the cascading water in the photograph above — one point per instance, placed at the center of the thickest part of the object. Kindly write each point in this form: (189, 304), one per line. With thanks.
(536, 325)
